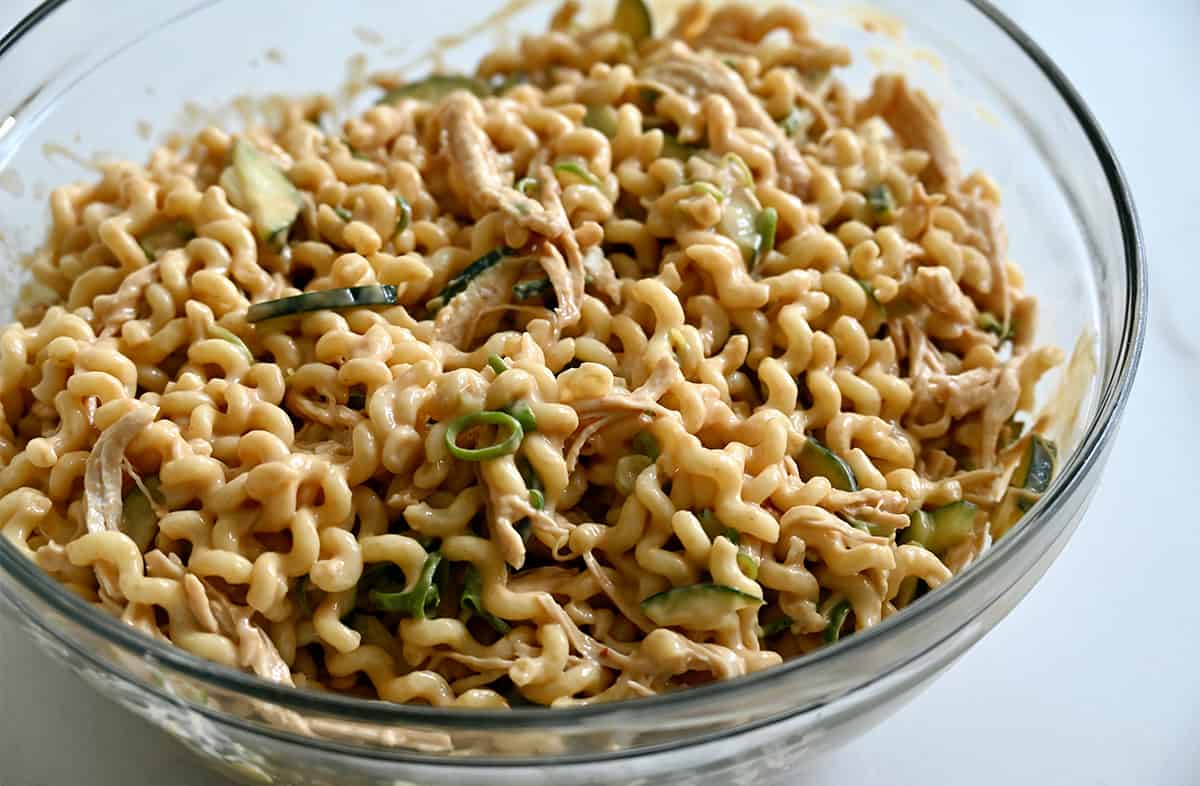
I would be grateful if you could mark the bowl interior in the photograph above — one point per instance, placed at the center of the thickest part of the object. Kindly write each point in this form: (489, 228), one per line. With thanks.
(117, 86)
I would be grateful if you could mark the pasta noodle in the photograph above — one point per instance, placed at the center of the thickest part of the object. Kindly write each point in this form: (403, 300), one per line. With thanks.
(626, 364)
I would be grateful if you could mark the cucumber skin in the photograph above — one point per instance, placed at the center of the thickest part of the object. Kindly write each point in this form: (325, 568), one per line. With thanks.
(328, 299)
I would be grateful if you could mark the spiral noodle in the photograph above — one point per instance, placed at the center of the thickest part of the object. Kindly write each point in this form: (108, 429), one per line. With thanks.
(290, 473)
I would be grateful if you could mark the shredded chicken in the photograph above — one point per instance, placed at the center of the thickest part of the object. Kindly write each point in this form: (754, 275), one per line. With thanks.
(563, 280)
(935, 287)
(959, 394)
(700, 75)
(596, 265)
(999, 408)
(457, 321)
(631, 610)
(985, 218)
(568, 278)
(102, 498)
(475, 174)
(256, 651)
(915, 122)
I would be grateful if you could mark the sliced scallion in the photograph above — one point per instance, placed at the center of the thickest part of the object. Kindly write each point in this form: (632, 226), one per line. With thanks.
(701, 187)
(497, 364)
(472, 601)
(577, 171)
(505, 447)
(524, 415)
(416, 601)
(216, 331)
(837, 618)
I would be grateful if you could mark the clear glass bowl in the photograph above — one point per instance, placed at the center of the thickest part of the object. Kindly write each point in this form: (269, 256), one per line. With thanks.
(85, 76)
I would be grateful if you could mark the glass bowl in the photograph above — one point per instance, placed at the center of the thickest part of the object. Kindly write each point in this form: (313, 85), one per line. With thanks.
(82, 77)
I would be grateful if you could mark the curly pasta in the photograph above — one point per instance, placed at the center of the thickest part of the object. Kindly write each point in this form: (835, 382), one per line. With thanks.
(682, 360)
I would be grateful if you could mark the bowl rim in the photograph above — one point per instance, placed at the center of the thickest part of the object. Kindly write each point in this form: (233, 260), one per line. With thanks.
(1112, 399)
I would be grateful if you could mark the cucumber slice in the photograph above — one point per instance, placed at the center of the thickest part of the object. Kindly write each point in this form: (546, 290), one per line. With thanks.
(174, 235)
(1012, 507)
(919, 530)
(952, 524)
(534, 287)
(942, 528)
(1029, 482)
(739, 222)
(436, 87)
(348, 297)
(766, 224)
(633, 18)
(816, 459)
(699, 607)
(603, 118)
(878, 530)
(138, 519)
(459, 283)
(1036, 469)
(255, 185)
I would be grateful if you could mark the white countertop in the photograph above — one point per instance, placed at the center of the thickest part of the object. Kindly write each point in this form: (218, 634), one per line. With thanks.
(1093, 679)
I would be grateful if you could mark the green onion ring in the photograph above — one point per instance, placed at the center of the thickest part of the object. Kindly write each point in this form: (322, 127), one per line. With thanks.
(486, 418)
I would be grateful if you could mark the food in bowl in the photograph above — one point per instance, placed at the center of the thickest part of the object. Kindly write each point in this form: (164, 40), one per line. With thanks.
(627, 363)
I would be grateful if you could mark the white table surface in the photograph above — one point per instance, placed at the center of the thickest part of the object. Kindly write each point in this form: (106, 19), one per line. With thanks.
(1093, 679)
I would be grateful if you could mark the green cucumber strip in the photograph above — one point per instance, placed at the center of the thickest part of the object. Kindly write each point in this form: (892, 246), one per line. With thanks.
(328, 299)
(459, 283)
(816, 459)
(699, 606)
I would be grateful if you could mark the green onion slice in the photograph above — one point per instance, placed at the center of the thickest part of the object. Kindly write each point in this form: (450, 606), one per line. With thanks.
(415, 602)
(524, 415)
(505, 447)
(837, 618)
(578, 171)
(497, 364)
(472, 601)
